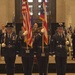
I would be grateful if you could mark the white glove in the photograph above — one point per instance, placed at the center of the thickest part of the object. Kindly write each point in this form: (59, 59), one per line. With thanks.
(67, 42)
(25, 33)
(3, 44)
(42, 30)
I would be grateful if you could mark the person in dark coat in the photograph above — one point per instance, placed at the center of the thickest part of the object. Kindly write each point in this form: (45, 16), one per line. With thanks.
(8, 49)
(2, 31)
(42, 53)
(26, 52)
(59, 46)
(0, 42)
(73, 44)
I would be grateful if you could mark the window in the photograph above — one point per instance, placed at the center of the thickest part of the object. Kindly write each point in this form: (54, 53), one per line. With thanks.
(39, 9)
(35, 6)
(39, 6)
(30, 0)
(31, 9)
(39, 13)
(41, 0)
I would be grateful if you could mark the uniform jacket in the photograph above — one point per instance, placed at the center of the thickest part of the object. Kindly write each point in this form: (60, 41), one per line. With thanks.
(9, 50)
(23, 47)
(0, 35)
(73, 38)
(38, 45)
(59, 45)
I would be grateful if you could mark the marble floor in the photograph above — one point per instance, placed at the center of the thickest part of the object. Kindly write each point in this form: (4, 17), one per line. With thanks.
(51, 60)
(38, 74)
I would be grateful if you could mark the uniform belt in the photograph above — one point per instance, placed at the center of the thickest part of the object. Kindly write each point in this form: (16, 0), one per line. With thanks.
(42, 47)
(25, 47)
(10, 46)
(60, 46)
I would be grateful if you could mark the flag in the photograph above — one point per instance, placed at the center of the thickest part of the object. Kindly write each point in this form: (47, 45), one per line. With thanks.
(43, 17)
(27, 22)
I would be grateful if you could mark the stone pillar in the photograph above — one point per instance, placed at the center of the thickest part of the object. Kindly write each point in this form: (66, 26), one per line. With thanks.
(60, 11)
(7, 11)
(3, 12)
(11, 10)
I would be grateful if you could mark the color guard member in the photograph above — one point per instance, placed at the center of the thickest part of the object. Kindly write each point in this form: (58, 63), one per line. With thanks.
(26, 52)
(42, 56)
(8, 49)
(59, 44)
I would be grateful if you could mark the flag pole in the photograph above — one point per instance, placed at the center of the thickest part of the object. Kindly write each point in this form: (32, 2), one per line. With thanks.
(27, 44)
(27, 48)
(42, 40)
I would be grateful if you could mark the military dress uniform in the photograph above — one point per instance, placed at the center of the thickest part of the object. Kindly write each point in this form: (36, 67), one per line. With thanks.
(27, 55)
(73, 44)
(42, 58)
(60, 53)
(8, 50)
(0, 40)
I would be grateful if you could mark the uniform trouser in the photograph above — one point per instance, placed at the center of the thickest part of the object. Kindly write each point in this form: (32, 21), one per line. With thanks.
(10, 65)
(43, 65)
(0, 50)
(73, 50)
(61, 65)
(27, 65)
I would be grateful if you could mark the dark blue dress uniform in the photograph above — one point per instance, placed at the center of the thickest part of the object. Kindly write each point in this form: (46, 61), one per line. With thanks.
(0, 35)
(0, 40)
(73, 44)
(42, 59)
(9, 51)
(27, 55)
(60, 53)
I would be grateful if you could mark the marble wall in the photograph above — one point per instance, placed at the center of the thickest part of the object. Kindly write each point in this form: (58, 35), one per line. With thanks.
(7, 11)
(65, 11)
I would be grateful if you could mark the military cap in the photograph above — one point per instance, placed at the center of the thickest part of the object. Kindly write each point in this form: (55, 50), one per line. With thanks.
(60, 26)
(9, 25)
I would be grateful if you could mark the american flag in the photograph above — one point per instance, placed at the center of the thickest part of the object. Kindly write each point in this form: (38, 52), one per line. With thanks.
(43, 17)
(27, 22)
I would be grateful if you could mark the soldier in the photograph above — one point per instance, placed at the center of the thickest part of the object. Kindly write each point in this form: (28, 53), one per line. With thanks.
(59, 44)
(8, 49)
(35, 27)
(42, 55)
(73, 43)
(0, 42)
(26, 52)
